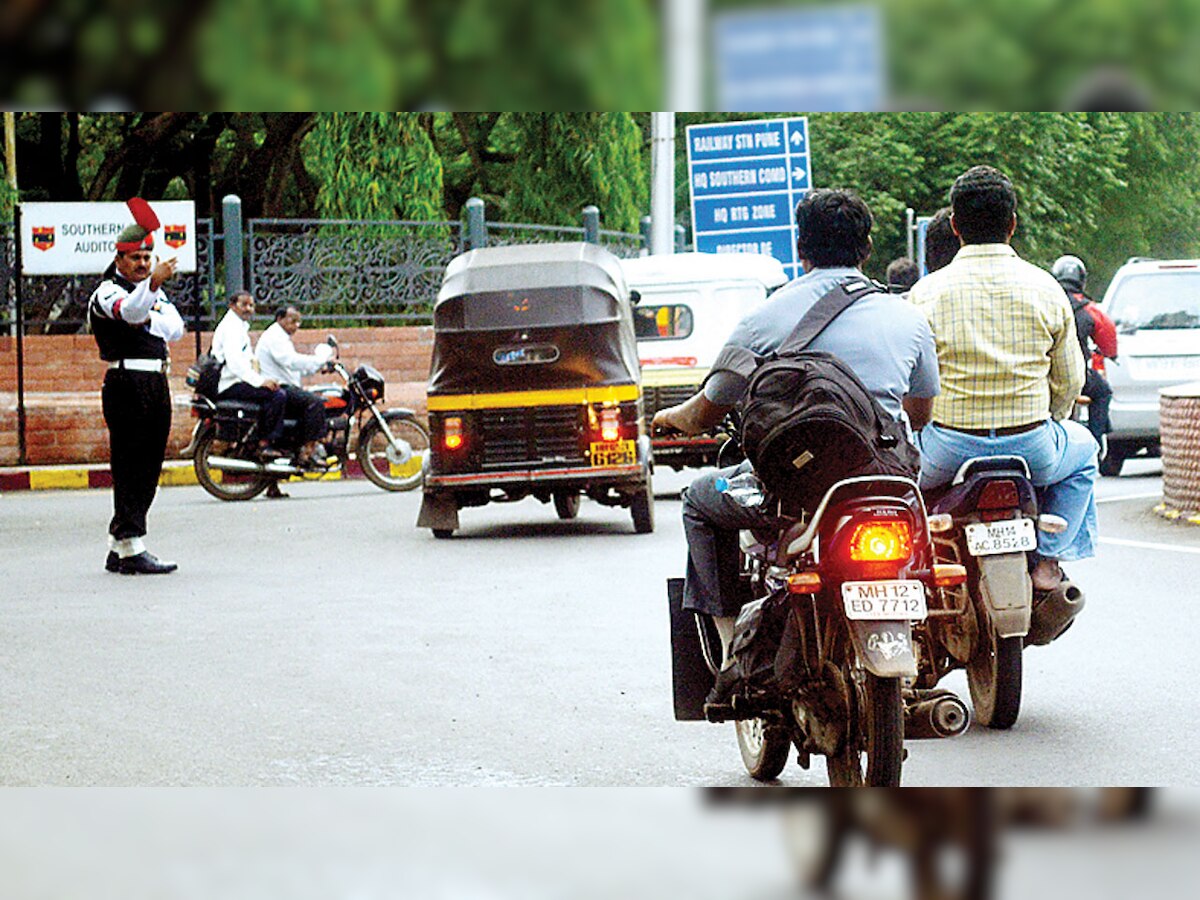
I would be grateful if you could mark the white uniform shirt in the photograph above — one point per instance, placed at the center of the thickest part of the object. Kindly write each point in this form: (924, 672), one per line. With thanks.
(231, 345)
(140, 305)
(278, 359)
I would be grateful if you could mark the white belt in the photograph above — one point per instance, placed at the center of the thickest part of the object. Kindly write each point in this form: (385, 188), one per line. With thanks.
(142, 365)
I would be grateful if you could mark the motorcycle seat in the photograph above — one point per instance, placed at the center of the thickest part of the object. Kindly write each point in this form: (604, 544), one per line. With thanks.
(1015, 465)
(237, 406)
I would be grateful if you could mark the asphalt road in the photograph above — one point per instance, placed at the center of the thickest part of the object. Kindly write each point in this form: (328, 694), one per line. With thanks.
(324, 640)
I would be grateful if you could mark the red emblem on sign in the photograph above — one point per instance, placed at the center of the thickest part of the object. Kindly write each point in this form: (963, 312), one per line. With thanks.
(43, 238)
(175, 235)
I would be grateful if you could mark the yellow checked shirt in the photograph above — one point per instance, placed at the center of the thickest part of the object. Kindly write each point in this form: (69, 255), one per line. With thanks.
(1005, 336)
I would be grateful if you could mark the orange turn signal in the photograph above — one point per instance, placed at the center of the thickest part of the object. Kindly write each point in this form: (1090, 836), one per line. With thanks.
(949, 574)
(452, 436)
(804, 583)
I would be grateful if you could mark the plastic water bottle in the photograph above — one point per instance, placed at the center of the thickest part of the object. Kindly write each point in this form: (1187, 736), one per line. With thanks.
(744, 488)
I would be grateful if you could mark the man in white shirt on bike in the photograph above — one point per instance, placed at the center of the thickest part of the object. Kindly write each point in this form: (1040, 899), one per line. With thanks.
(278, 359)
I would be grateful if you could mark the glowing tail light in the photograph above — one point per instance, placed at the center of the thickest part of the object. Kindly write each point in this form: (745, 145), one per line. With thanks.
(881, 541)
(804, 583)
(452, 436)
(610, 423)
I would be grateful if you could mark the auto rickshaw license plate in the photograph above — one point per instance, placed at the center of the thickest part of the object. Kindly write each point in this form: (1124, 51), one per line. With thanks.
(897, 600)
(614, 453)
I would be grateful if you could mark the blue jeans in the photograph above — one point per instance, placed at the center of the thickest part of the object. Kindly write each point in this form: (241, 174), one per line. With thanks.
(1062, 464)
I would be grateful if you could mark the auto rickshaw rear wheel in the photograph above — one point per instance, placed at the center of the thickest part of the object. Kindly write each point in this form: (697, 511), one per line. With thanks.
(443, 533)
(566, 504)
(642, 509)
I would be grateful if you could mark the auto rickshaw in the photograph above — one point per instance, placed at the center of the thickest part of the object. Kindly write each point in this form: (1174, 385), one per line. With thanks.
(534, 386)
(690, 303)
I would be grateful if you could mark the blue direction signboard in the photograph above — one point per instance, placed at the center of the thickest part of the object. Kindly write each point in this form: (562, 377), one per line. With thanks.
(815, 58)
(746, 179)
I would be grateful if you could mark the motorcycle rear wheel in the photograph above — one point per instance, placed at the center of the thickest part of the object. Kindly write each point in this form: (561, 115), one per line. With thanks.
(874, 750)
(994, 677)
(378, 460)
(765, 748)
(231, 486)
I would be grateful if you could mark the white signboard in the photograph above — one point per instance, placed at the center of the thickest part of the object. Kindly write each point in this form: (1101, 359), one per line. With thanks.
(80, 238)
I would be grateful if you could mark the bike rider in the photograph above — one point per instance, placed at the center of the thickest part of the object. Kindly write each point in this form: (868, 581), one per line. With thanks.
(278, 359)
(240, 379)
(887, 343)
(1010, 373)
(1097, 336)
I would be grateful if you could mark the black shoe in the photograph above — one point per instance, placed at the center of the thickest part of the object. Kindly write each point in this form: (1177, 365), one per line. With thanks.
(270, 454)
(144, 564)
(112, 562)
(722, 692)
(275, 492)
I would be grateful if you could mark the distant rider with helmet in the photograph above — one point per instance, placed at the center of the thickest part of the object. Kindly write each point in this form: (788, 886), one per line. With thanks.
(1097, 337)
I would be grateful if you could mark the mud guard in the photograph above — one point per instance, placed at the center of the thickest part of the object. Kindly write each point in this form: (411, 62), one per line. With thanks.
(1006, 593)
(438, 511)
(690, 676)
(884, 648)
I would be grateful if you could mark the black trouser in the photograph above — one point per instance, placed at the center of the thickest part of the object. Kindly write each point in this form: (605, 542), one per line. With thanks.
(308, 409)
(1096, 389)
(137, 411)
(270, 403)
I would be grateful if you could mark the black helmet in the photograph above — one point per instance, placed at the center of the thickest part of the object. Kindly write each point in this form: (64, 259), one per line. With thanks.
(1070, 272)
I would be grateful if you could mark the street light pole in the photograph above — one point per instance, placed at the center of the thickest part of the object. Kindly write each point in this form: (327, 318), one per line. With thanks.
(662, 182)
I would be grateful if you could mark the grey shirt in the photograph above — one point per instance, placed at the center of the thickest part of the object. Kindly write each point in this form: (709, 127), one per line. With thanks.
(882, 337)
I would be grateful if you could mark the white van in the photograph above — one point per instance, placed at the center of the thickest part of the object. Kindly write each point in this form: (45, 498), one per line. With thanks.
(1155, 304)
(690, 304)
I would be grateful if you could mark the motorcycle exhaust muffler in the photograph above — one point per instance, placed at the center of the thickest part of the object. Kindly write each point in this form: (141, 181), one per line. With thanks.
(936, 714)
(246, 466)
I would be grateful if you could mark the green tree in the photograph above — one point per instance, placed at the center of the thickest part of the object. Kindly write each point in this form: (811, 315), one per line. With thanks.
(374, 166)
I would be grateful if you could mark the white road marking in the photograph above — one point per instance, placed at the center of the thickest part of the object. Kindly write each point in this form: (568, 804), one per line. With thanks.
(1157, 495)
(1146, 545)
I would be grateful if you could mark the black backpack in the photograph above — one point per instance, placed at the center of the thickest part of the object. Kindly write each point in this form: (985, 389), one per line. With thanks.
(204, 375)
(807, 419)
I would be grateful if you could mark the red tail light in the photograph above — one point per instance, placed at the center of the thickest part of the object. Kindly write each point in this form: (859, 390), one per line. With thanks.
(881, 541)
(610, 423)
(452, 436)
(999, 495)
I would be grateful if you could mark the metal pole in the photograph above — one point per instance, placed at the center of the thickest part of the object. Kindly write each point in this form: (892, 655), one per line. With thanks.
(476, 224)
(231, 219)
(20, 326)
(591, 224)
(910, 219)
(644, 230)
(662, 182)
(684, 53)
(10, 169)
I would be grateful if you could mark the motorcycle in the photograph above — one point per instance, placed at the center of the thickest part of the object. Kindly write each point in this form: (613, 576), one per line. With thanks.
(826, 643)
(986, 521)
(391, 445)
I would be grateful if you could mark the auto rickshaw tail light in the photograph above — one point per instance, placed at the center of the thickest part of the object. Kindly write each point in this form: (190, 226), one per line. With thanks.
(452, 436)
(887, 540)
(610, 423)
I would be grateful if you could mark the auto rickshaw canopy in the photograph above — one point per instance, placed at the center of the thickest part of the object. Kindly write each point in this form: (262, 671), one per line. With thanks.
(532, 317)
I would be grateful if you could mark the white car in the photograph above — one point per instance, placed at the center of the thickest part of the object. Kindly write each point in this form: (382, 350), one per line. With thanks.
(689, 305)
(1155, 305)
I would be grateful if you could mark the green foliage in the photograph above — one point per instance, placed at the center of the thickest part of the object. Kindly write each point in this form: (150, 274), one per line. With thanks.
(565, 161)
(374, 166)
